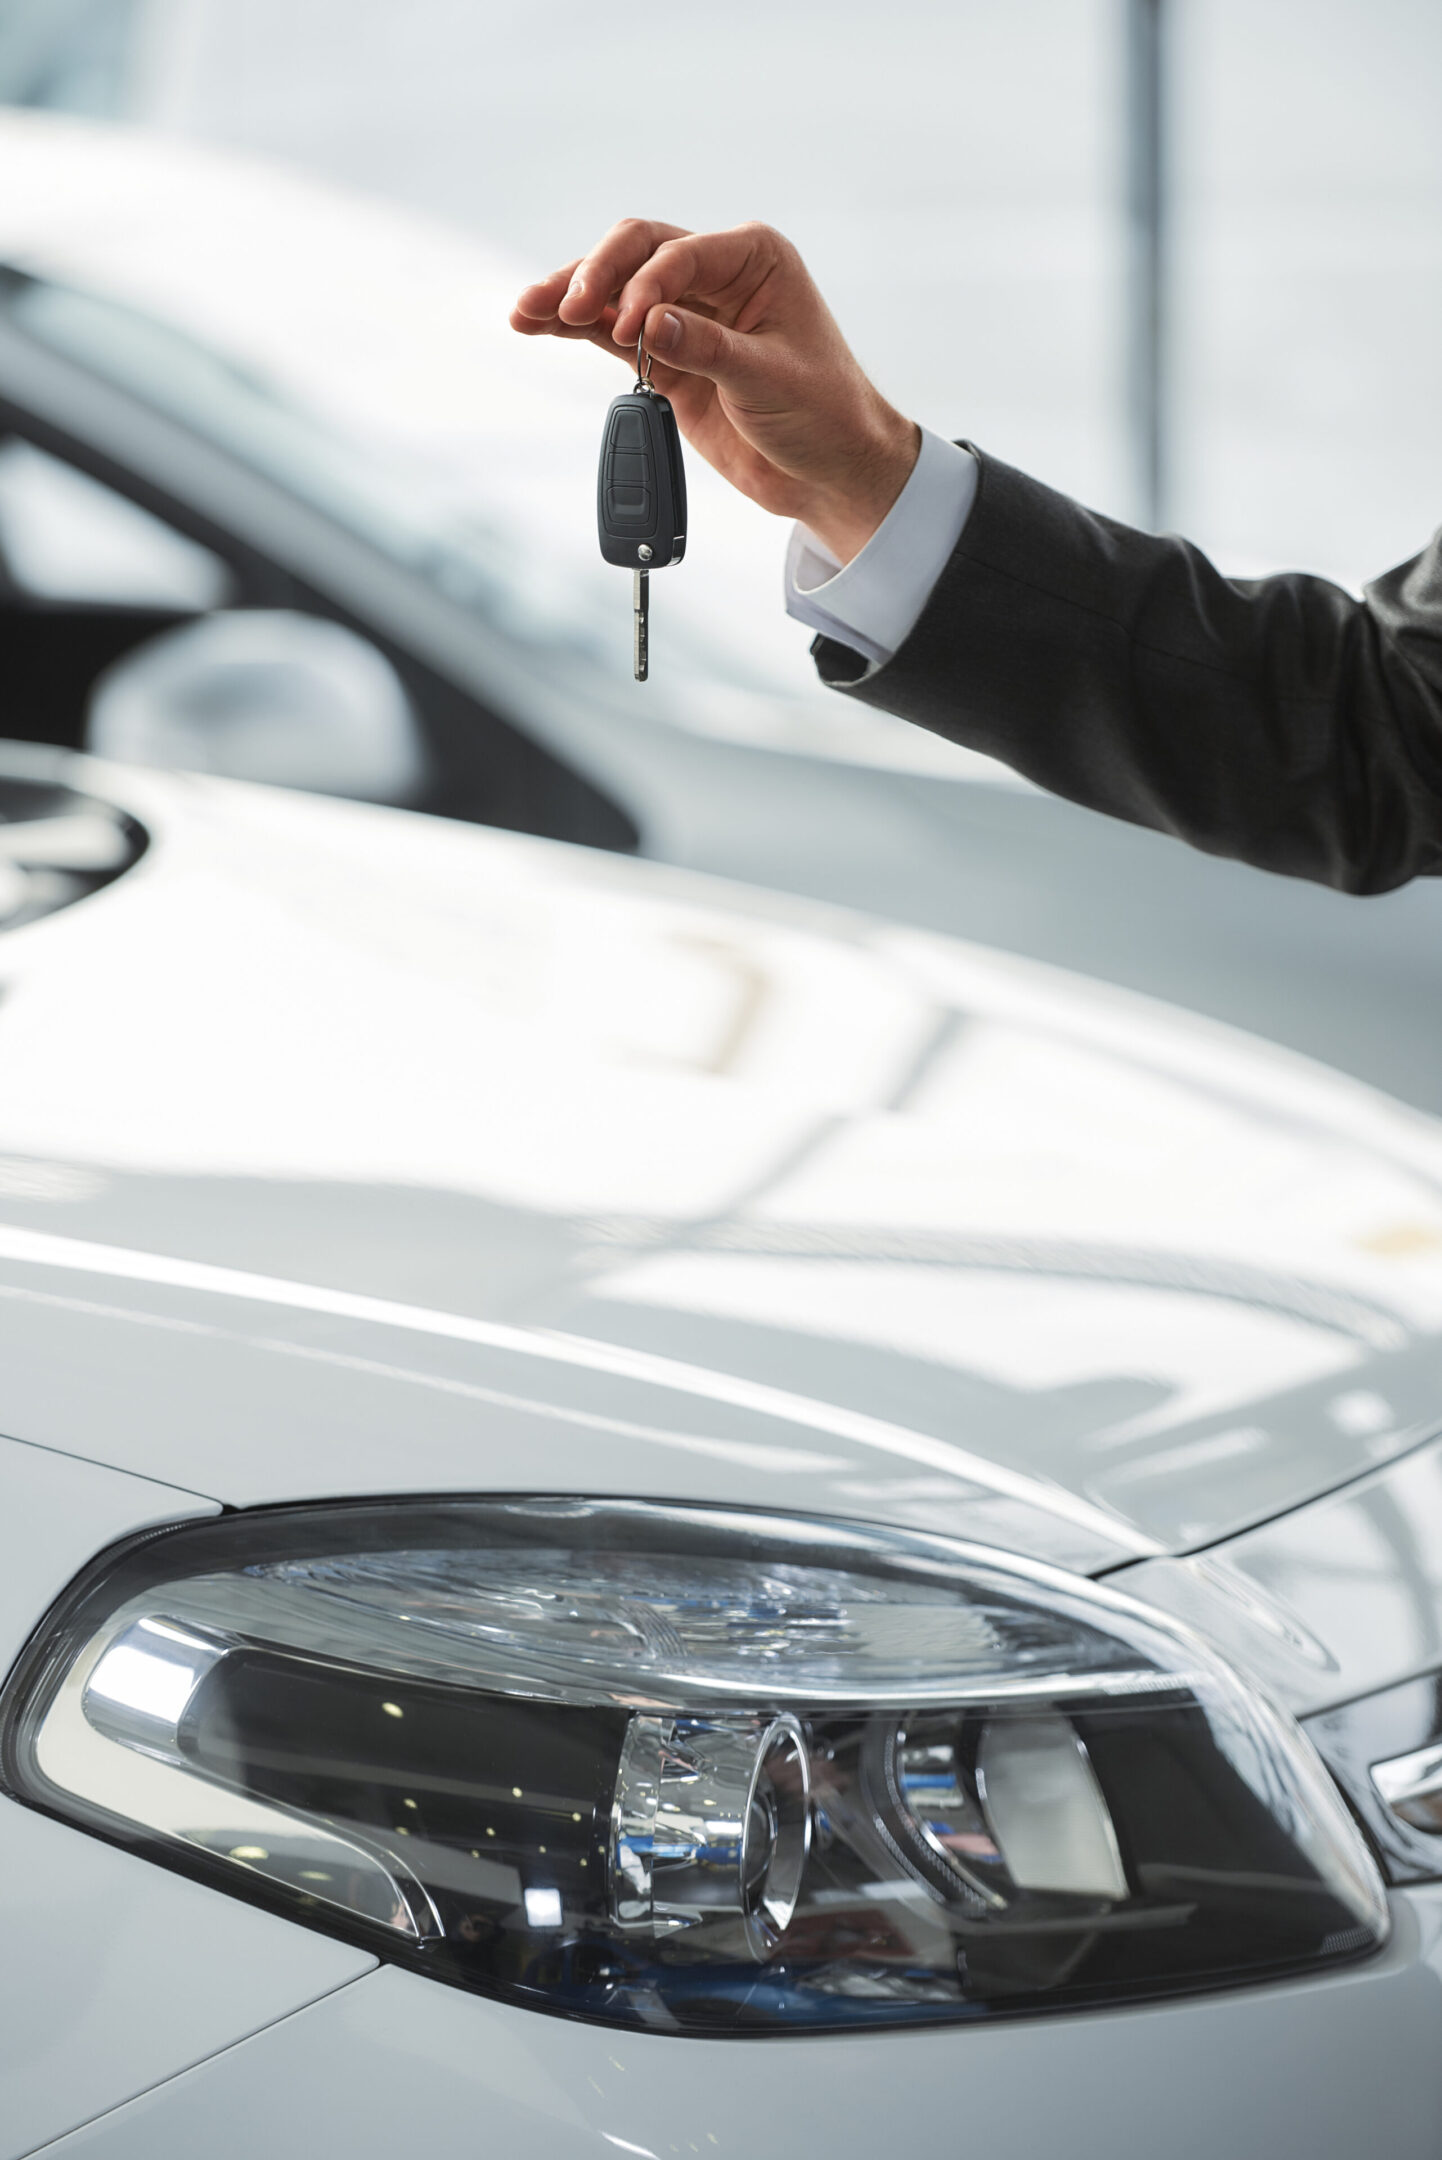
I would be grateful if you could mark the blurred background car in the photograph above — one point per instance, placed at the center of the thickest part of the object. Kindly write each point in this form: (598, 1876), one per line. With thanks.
(236, 398)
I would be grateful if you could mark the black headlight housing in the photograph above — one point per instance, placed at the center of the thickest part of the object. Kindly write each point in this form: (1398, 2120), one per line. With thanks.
(691, 1769)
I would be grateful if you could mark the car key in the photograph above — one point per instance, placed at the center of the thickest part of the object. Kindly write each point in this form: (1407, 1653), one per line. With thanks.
(641, 495)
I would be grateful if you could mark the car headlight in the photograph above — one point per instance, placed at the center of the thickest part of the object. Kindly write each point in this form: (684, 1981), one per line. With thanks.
(690, 1768)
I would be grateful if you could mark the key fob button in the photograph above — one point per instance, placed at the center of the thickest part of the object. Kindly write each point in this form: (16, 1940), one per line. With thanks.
(630, 469)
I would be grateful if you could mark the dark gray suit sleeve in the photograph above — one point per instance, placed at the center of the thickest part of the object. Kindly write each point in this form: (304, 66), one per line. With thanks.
(1278, 720)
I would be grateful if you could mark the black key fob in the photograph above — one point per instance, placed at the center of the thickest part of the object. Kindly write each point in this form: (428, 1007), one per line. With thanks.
(641, 484)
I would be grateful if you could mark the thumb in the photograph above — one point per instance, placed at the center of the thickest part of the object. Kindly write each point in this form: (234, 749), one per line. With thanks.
(695, 345)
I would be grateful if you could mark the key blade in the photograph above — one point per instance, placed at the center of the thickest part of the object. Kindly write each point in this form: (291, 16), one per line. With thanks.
(641, 619)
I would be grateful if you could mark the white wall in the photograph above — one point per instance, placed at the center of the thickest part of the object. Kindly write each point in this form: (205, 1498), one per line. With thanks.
(953, 170)
(948, 168)
(1310, 265)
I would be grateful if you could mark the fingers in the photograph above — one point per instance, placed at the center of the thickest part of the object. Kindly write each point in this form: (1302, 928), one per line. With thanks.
(597, 278)
(552, 326)
(722, 269)
(640, 264)
(541, 300)
(698, 345)
(735, 309)
(597, 333)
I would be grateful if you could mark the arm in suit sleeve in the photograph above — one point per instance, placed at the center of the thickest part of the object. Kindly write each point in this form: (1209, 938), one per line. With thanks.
(1278, 720)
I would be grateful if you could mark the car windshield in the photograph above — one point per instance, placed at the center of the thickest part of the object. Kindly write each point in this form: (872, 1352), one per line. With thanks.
(479, 553)
(398, 508)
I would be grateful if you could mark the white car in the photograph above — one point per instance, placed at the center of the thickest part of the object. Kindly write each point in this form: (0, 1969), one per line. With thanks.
(643, 1519)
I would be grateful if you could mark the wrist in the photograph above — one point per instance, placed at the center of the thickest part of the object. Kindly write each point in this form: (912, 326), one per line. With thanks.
(845, 514)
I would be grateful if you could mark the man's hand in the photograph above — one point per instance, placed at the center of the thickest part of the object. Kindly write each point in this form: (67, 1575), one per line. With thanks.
(762, 381)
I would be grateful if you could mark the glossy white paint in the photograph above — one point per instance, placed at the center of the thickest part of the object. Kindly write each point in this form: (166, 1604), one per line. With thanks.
(369, 1153)
(1331, 1602)
(1328, 2070)
(272, 1406)
(344, 1152)
(56, 1515)
(114, 1974)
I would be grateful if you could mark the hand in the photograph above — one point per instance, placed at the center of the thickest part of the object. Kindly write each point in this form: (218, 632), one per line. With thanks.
(762, 381)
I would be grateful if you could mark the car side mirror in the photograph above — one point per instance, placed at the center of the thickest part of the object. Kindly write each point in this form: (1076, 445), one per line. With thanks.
(263, 694)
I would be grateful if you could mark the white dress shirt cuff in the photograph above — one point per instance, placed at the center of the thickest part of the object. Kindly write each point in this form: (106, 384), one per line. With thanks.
(872, 604)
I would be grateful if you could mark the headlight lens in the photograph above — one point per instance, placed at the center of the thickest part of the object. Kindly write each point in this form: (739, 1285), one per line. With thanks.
(691, 1769)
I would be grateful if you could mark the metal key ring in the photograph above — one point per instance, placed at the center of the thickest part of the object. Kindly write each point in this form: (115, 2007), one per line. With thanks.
(643, 381)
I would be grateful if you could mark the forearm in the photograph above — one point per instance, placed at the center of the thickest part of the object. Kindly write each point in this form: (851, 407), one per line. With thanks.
(1283, 722)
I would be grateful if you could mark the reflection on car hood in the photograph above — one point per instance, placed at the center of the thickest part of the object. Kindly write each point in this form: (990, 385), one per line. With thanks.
(342, 1150)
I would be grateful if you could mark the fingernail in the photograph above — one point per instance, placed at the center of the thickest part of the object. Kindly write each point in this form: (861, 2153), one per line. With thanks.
(576, 285)
(667, 334)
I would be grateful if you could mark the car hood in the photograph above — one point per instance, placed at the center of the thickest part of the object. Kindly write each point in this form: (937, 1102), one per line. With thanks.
(343, 1150)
